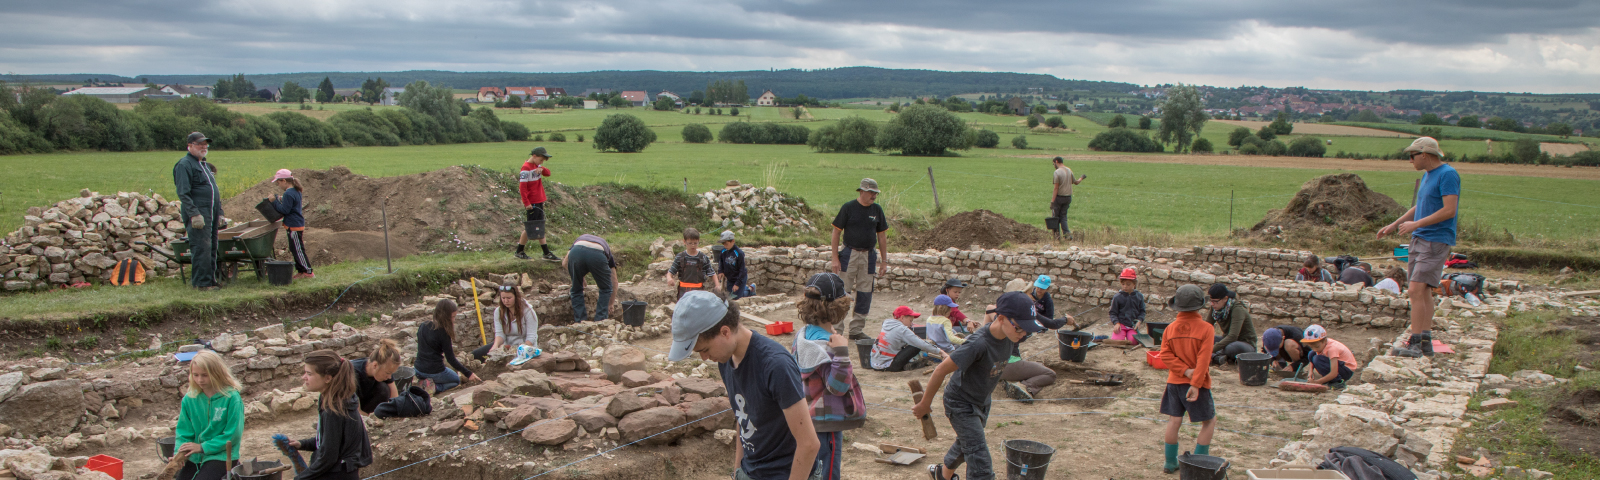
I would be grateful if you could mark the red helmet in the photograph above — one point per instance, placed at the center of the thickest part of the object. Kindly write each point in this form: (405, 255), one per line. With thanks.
(1129, 274)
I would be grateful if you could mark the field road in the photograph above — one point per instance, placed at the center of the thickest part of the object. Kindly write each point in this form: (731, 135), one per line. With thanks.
(1544, 171)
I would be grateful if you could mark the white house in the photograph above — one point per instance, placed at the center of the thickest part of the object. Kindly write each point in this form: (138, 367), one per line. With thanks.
(391, 96)
(116, 94)
(767, 99)
(591, 104)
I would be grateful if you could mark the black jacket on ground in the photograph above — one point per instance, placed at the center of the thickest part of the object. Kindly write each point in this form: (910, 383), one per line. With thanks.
(341, 444)
(412, 402)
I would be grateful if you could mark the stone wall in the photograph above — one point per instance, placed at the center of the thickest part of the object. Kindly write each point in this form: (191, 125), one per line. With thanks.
(83, 238)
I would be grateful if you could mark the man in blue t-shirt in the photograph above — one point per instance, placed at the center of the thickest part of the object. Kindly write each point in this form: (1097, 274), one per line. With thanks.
(776, 438)
(1432, 225)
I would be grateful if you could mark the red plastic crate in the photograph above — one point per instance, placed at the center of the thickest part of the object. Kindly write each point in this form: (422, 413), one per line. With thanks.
(774, 328)
(1153, 358)
(106, 464)
(788, 327)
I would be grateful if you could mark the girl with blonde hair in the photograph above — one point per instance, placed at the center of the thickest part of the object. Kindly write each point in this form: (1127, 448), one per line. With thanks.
(211, 419)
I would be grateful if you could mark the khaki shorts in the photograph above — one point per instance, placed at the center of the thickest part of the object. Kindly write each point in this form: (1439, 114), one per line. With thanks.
(856, 275)
(1426, 263)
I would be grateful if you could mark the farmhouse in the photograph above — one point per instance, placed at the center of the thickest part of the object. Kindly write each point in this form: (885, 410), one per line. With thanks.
(638, 97)
(391, 96)
(491, 94)
(767, 99)
(185, 91)
(555, 91)
(665, 93)
(116, 94)
(591, 104)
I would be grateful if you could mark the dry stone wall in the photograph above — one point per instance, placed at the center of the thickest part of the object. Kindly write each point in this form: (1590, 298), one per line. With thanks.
(83, 238)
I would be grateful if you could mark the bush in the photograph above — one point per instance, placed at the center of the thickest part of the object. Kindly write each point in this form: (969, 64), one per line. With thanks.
(764, 133)
(1144, 124)
(985, 139)
(558, 137)
(1249, 149)
(514, 131)
(734, 111)
(624, 133)
(1237, 136)
(1019, 142)
(1281, 125)
(1307, 147)
(538, 138)
(1526, 151)
(696, 110)
(1274, 148)
(1436, 132)
(1033, 121)
(580, 137)
(1056, 122)
(1117, 122)
(305, 132)
(924, 130)
(849, 135)
(1469, 121)
(696, 133)
(1201, 145)
(364, 128)
(16, 138)
(1267, 133)
(1123, 140)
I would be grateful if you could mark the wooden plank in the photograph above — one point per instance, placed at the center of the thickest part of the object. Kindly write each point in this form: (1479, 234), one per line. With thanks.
(764, 322)
(1584, 293)
(892, 448)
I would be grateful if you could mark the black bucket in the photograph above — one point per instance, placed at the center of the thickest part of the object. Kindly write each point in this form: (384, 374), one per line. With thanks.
(920, 330)
(402, 377)
(1027, 459)
(165, 446)
(1052, 223)
(1074, 345)
(1155, 330)
(534, 228)
(1201, 467)
(259, 465)
(279, 273)
(1253, 368)
(864, 348)
(633, 313)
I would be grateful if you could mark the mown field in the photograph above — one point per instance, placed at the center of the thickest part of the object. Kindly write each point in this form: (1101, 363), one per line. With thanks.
(1184, 199)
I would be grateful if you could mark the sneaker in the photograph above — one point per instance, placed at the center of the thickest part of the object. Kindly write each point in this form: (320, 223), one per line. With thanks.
(305, 275)
(1017, 392)
(551, 257)
(522, 256)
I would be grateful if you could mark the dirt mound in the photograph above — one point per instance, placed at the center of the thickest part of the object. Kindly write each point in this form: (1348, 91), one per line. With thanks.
(328, 247)
(1332, 201)
(977, 227)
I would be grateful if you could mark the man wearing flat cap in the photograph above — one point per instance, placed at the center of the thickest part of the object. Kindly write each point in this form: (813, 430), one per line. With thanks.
(201, 209)
(1431, 223)
(862, 225)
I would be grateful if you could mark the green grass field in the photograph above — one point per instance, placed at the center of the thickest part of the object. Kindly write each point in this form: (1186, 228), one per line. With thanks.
(1479, 134)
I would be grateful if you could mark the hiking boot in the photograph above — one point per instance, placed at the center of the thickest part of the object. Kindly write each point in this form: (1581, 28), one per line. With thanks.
(551, 257)
(1419, 345)
(1017, 392)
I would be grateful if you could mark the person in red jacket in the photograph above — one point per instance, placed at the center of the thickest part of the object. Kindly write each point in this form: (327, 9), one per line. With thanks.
(1186, 350)
(531, 184)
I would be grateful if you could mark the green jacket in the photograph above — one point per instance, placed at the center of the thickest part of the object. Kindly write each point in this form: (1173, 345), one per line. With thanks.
(1234, 322)
(212, 422)
(197, 190)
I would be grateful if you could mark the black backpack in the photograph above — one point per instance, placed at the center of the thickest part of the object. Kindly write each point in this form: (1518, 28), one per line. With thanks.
(413, 402)
(1362, 464)
(1342, 262)
(1464, 283)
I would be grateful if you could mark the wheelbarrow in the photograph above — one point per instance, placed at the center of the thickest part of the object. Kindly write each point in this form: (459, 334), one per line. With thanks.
(249, 244)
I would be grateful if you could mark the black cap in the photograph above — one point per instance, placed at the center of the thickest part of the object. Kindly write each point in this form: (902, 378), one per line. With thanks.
(831, 286)
(540, 152)
(955, 282)
(1219, 291)
(1021, 310)
(197, 137)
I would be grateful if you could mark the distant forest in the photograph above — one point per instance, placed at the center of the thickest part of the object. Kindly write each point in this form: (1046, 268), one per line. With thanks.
(833, 83)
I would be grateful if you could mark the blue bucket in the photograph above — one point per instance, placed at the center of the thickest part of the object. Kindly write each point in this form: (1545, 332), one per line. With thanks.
(1402, 253)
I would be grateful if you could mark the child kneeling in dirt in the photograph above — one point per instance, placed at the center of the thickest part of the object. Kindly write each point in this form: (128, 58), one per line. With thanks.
(831, 389)
(1186, 350)
(212, 417)
(898, 348)
(1127, 307)
(341, 446)
(976, 366)
(1332, 363)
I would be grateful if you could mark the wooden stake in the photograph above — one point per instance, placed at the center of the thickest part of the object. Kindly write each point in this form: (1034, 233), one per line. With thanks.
(935, 187)
(928, 430)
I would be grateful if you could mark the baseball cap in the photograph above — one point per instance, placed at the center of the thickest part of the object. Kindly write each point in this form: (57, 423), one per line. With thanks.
(1218, 291)
(1315, 333)
(868, 185)
(955, 282)
(197, 137)
(944, 300)
(1425, 145)
(829, 283)
(727, 236)
(1042, 283)
(696, 312)
(540, 151)
(1188, 299)
(904, 311)
(1272, 340)
(282, 174)
(1129, 274)
(1020, 309)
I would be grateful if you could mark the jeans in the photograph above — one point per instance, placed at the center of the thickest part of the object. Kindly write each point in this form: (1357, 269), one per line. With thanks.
(830, 457)
(583, 261)
(1231, 352)
(1058, 210)
(970, 446)
(1322, 364)
(203, 245)
(1033, 375)
(738, 291)
(442, 381)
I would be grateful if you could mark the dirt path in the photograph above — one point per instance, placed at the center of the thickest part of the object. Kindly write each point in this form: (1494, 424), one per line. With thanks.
(1543, 171)
(1322, 129)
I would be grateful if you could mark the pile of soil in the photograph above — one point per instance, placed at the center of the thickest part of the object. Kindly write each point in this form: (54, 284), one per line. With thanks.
(326, 246)
(1332, 201)
(977, 227)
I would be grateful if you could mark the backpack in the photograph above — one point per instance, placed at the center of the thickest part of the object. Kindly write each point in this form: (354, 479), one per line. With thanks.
(1361, 464)
(128, 272)
(1342, 262)
(1462, 283)
(413, 402)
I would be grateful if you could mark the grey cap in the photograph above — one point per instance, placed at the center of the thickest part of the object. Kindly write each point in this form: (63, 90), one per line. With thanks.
(1188, 299)
(868, 185)
(540, 152)
(197, 137)
(696, 312)
(955, 282)
(727, 236)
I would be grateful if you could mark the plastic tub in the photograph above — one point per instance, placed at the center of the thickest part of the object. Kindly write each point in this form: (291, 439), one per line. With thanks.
(1074, 345)
(165, 446)
(1402, 253)
(864, 349)
(1027, 459)
(633, 313)
(1153, 357)
(1294, 473)
(1253, 368)
(1202, 467)
(106, 464)
(260, 465)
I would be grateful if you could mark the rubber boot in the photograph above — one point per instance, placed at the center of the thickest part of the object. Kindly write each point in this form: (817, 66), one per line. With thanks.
(1202, 449)
(1172, 459)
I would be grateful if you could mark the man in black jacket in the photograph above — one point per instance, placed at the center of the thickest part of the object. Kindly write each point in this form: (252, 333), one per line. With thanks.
(201, 210)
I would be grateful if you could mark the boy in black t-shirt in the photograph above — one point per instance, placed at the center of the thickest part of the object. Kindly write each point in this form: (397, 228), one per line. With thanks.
(692, 267)
(977, 365)
(776, 437)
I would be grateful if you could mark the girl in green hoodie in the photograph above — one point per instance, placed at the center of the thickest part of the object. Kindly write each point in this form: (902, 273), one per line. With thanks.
(211, 418)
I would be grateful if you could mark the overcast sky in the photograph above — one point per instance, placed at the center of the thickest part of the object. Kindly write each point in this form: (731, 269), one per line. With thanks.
(1542, 46)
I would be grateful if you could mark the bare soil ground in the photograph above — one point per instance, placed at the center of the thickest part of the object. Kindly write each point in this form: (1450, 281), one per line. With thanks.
(1562, 148)
(1574, 422)
(1322, 129)
(978, 227)
(1543, 171)
(1332, 201)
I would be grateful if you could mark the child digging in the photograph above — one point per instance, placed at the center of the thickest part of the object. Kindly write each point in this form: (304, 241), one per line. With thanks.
(1332, 363)
(1127, 307)
(976, 366)
(291, 205)
(731, 272)
(692, 267)
(212, 416)
(830, 383)
(1186, 350)
(898, 348)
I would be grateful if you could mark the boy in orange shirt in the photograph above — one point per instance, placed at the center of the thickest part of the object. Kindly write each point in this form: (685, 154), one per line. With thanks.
(1333, 363)
(1186, 350)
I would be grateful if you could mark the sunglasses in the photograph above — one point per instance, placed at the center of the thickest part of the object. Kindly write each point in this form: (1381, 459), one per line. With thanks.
(507, 288)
